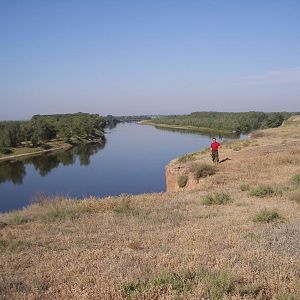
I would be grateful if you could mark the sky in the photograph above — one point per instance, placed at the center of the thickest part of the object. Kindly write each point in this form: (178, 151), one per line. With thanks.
(126, 57)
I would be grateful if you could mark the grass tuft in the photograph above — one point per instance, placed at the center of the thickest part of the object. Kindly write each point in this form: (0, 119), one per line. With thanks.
(18, 219)
(244, 187)
(267, 216)
(262, 191)
(216, 199)
(182, 181)
(124, 206)
(63, 211)
(296, 180)
(201, 170)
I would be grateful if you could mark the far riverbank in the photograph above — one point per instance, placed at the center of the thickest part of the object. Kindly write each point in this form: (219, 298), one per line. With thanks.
(191, 128)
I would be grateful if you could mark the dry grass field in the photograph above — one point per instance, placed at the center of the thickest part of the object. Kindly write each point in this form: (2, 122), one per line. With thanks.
(237, 236)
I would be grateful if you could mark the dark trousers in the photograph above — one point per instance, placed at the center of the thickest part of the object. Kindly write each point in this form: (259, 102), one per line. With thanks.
(215, 155)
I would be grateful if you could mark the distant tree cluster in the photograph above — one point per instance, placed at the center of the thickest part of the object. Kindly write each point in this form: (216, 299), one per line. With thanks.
(42, 128)
(228, 121)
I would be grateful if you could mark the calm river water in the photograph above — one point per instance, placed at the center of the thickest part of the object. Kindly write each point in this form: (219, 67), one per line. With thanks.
(132, 161)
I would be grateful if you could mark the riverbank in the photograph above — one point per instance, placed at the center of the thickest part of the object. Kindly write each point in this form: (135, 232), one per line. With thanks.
(234, 236)
(190, 128)
(56, 145)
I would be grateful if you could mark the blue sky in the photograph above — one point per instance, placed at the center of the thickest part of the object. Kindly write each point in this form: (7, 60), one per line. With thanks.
(148, 57)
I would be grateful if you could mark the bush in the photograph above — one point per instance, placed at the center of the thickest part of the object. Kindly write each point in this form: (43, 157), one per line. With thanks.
(182, 181)
(4, 150)
(296, 180)
(216, 199)
(202, 170)
(262, 191)
(267, 216)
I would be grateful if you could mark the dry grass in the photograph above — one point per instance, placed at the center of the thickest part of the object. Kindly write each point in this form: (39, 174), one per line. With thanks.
(295, 196)
(166, 245)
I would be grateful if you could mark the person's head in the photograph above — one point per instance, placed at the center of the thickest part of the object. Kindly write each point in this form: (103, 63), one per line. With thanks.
(214, 139)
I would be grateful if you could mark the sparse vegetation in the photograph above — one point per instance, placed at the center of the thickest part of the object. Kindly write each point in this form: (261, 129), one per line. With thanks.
(216, 199)
(267, 216)
(182, 181)
(201, 170)
(217, 285)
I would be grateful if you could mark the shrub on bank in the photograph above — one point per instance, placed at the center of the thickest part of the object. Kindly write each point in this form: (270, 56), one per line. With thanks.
(4, 150)
(182, 181)
(201, 170)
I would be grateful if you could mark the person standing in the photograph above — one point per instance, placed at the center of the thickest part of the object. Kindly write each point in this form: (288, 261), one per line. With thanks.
(215, 150)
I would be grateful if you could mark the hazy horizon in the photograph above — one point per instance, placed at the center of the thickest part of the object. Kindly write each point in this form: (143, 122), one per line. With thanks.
(140, 57)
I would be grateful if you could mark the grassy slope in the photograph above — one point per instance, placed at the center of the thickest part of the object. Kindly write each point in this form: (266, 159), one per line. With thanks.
(167, 245)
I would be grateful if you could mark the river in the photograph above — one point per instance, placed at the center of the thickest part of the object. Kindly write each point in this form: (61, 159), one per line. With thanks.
(132, 161)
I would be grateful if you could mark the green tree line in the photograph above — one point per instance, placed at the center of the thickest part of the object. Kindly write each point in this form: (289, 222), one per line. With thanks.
(241, 122)
(43, 128)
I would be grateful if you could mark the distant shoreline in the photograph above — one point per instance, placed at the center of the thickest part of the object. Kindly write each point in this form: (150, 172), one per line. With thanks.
(193, 128)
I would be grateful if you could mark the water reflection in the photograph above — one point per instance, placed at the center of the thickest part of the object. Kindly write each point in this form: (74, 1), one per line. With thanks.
(15, 171)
